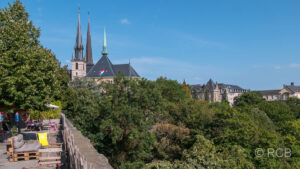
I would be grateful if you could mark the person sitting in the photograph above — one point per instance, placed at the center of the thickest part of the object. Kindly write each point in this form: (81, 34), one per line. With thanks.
(36, 126)
(29, 125)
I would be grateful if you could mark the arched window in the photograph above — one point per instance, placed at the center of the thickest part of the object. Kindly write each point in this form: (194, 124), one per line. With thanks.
(76, 66)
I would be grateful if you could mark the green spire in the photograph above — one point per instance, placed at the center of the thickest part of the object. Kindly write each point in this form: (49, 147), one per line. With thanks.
(104, 51)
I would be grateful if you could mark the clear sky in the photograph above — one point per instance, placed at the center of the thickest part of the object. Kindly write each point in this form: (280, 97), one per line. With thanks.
(251, 43)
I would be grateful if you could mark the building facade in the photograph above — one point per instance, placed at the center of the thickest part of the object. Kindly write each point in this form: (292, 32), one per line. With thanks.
(104, 70)
(282, 94)
(217, 92)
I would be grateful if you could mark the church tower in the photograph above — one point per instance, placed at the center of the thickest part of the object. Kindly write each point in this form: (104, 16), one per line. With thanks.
(88, 49)
(78, 61)
(217, 94)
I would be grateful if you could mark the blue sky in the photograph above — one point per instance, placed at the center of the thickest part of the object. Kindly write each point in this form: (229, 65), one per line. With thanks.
(252, 43)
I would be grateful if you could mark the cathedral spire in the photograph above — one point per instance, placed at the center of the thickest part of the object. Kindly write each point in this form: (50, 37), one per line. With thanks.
(217, 86)
(88, 48)
(78, 44)
(104, 51)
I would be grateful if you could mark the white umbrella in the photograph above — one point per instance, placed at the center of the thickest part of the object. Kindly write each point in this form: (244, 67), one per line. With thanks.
(52, 106)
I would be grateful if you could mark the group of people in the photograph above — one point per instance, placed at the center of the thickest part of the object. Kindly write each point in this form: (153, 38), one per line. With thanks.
(6, 123)
(33, 125)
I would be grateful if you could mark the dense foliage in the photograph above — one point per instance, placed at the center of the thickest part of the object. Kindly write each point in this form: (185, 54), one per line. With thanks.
(146, 124)
(139, 123)
(46, 114)
(30, 74)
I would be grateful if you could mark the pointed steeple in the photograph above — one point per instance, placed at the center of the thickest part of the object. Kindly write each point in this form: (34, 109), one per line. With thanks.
(129, 69)
(217, 86)
(78, 44)
(210, 84)
(88, 48)
(104, 51)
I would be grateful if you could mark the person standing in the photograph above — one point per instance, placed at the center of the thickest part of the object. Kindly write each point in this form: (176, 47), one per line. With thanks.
(17, 122)
(2, 132)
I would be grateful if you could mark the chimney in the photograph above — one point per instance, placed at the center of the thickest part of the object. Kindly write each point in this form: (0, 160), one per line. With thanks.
(292, 83)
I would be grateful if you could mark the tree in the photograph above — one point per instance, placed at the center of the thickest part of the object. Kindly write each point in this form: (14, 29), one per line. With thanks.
(63, 80)
(89, 84)
(171, 141)
(28, 71)
(171, 90)
(194, 93)
(294, 104)
(187, 88)
(128, 109)
(278, 111)
(224, 96)
(206, 95)
(248, 99)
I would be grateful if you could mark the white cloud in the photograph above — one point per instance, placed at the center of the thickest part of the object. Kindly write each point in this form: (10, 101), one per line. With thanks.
(277, 67)
(125, 21)
(295, 65)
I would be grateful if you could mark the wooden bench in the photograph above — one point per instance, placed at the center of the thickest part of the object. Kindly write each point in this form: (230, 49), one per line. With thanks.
(17, 154)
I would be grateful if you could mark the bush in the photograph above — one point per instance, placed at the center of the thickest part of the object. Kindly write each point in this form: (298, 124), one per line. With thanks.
(50, 113)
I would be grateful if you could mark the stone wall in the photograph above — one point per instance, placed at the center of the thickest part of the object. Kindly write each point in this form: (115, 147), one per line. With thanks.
(80, 152)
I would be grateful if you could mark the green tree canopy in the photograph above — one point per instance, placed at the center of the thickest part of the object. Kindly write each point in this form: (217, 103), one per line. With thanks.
(248, 99)
(28, 77)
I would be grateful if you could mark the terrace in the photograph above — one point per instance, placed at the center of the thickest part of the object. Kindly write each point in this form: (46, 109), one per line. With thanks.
(75, 151)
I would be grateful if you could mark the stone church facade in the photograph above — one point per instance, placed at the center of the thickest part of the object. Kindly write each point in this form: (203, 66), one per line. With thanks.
(217, 92)
(104, 70)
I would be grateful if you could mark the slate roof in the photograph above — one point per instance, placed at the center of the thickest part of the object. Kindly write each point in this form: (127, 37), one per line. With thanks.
(269, 92)
(211, 86)
(229, 86)
(111, 70)
(78, 44)
(197, 87)
(293, 88)
(88, 48)
(126, 69)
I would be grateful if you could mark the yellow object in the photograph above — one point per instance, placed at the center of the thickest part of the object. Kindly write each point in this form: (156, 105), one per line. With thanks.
(43, 139)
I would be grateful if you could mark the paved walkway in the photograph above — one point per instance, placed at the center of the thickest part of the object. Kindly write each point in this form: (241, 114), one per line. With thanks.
(29, 137)
(5, 164)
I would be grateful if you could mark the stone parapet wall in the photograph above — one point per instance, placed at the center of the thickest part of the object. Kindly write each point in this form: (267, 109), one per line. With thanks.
(80, 152)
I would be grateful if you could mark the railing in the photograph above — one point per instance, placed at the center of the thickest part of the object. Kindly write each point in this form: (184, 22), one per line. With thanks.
(80, 152)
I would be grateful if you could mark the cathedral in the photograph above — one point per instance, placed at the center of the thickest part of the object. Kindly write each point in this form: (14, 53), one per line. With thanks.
(83, 66)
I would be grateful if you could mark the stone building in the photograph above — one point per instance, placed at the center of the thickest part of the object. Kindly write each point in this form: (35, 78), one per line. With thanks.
(83, 66)
(216, 92)
(271, 95)
(282, 94)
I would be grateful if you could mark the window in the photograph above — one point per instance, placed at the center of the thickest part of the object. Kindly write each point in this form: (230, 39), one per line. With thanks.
(76, 66)
(76, 73)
